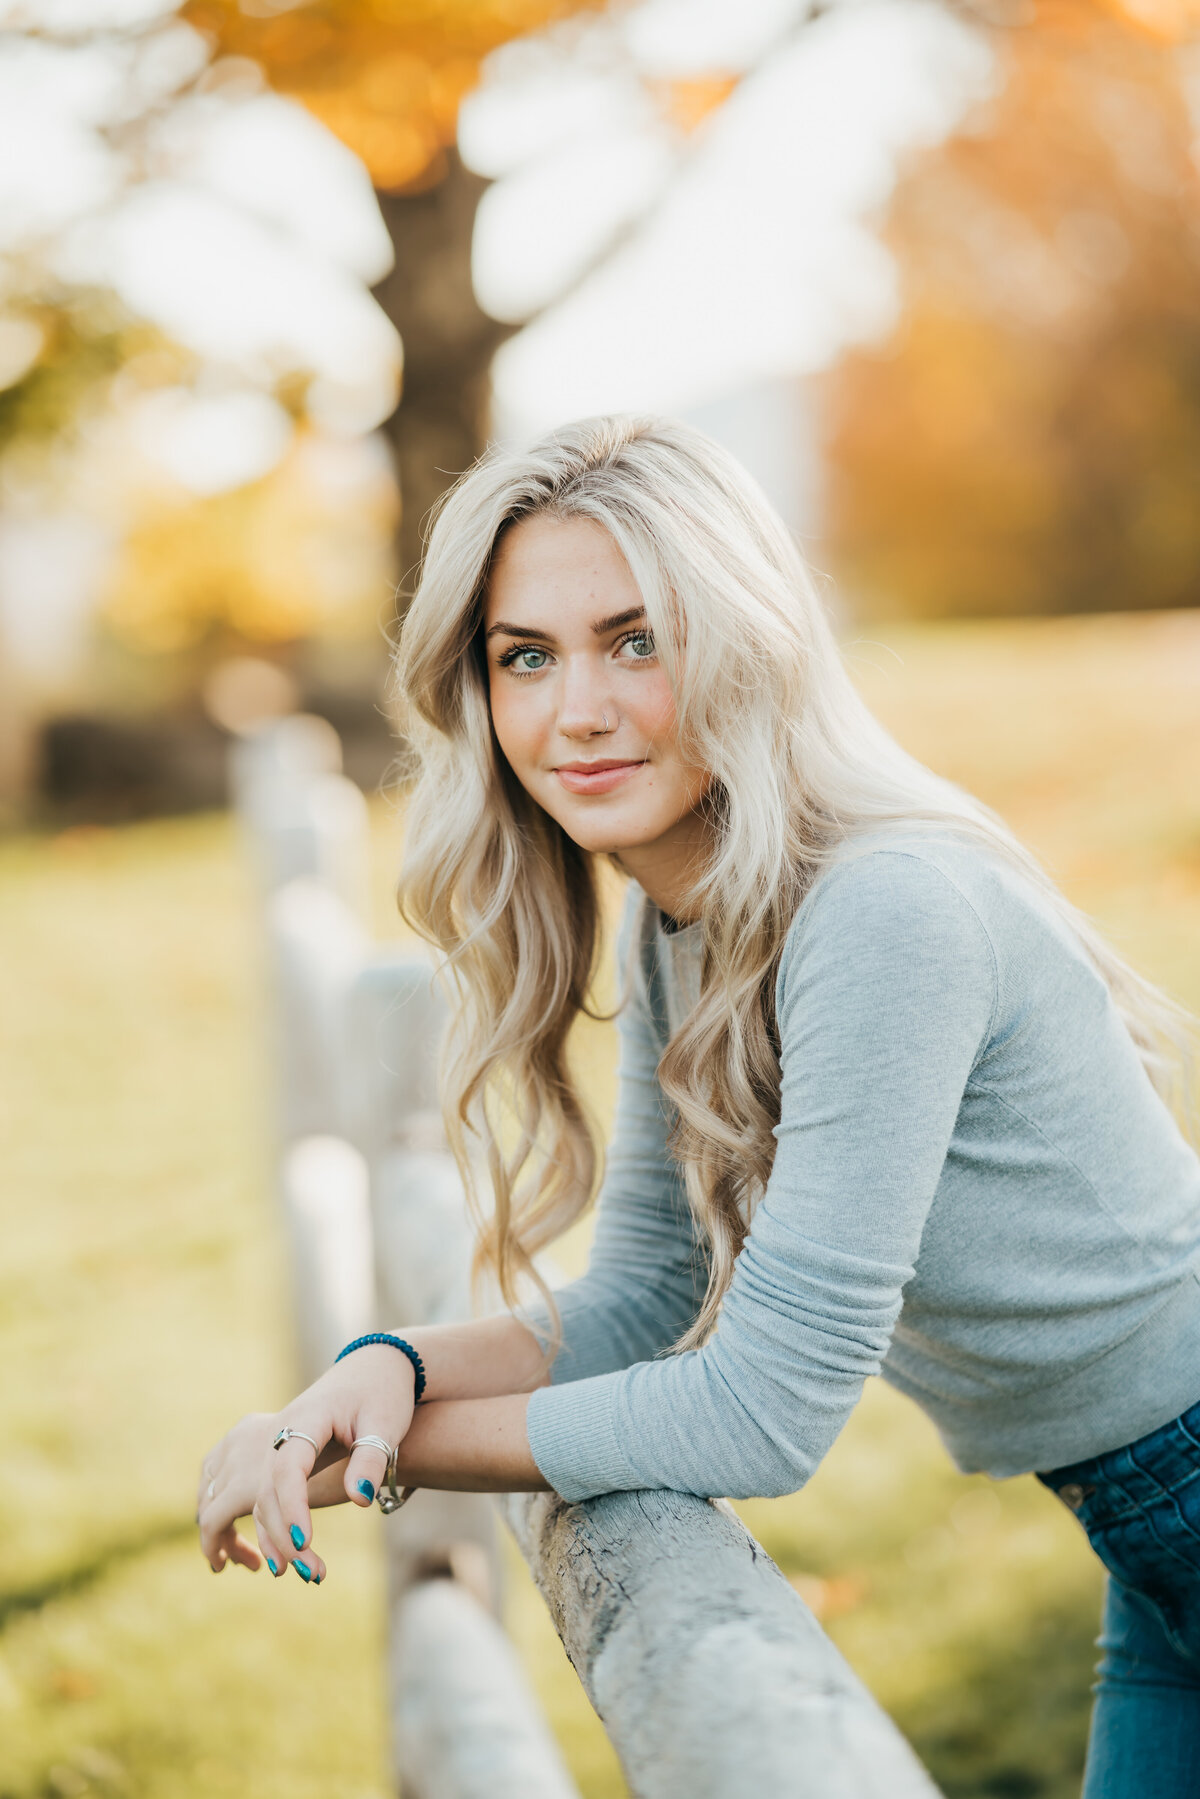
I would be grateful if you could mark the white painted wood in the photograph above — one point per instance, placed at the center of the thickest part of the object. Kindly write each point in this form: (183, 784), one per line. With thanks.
(317, 949)
(464, 1721)
(281, 752)
(712, 1677)
(303, 818)
(393, 1019)
(316, 829)
(422, 1238)
(326, 1204)
(395, 1016)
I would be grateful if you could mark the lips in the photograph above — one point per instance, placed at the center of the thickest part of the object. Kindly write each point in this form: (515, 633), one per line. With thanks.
(596, 777)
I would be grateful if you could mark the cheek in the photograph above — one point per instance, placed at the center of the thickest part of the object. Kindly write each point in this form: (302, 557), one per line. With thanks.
(653, 708)
(515, 725)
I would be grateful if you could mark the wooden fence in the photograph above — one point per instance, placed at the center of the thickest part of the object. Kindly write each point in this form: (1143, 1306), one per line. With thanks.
(712, 1678)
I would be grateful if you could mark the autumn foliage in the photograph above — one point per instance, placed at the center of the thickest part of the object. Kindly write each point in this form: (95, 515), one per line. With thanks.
(1029, 438)
(386, 76)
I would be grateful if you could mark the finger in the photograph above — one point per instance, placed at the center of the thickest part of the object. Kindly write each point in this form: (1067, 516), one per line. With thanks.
(278, 1553)
(216, 1533)
(271, 1529)
(244, 1553)
(367, 1467)
(217, 1550)
(216, 1517)
(291, 1466)
(206, 1484)
(271, 1554)
(289, 1539)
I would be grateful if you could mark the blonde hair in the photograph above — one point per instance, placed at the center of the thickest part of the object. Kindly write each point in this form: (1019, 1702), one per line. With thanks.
(800, 770)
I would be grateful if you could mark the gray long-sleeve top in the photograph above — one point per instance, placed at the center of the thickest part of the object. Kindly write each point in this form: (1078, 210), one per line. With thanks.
(976, 1192)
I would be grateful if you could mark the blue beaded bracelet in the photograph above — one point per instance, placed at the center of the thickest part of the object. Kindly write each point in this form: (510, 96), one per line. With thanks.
(396, 1343)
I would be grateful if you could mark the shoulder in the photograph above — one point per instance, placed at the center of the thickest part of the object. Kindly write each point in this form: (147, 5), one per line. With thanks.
(904, 875)
(897, 902)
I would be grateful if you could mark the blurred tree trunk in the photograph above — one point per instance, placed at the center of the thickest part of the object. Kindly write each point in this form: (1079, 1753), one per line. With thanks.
(440, 425)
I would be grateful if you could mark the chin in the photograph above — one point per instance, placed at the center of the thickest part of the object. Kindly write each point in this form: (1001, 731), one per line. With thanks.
(598, 842)
(600, 837)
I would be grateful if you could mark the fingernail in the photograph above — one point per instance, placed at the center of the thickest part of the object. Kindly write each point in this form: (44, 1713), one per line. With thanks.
(271, 1566)
(317, 1579)
(303, 1570)
(367, 1490)
(297, 1537)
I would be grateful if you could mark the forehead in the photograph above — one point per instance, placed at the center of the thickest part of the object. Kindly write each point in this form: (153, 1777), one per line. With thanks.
(560, 562)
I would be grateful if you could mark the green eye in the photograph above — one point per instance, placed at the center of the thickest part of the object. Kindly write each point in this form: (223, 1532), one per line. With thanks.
(518, 659)
(642, 645)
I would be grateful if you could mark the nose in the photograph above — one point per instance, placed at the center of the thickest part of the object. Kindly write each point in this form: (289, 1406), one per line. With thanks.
(584, 703)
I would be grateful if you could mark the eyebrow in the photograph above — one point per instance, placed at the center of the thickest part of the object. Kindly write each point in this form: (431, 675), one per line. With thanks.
(600, 627)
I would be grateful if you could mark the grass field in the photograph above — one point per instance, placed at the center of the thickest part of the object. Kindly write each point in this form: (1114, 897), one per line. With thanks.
(142, 1304)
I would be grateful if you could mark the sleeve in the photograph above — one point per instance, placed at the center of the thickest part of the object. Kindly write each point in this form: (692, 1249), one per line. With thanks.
(886, 994)
(647, 1269)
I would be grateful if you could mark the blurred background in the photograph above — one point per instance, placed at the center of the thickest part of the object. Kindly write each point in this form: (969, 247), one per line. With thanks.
(271, 273)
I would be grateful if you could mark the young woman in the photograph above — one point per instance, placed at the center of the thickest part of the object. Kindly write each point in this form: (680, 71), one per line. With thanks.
(887, 1103)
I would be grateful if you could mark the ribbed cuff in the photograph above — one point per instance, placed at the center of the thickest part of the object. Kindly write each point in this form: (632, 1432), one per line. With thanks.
(575, 1441)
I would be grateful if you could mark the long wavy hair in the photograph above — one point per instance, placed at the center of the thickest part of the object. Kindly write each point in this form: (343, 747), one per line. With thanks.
(800, 770)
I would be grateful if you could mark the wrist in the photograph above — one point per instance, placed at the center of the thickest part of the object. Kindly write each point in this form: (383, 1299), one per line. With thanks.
(399, 1346)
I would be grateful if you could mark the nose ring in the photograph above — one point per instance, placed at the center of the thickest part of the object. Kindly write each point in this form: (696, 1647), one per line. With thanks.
(604, 716)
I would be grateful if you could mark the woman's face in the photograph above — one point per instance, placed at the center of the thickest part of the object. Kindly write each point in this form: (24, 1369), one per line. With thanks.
(580, 702)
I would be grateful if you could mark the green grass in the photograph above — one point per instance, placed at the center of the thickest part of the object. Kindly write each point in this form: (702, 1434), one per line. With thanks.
(143, 1305)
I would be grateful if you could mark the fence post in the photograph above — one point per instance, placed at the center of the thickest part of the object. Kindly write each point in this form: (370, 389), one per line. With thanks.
(316, 948)
(305, 818)
(360, 1130)
(324, 1187)
(461, 1709)
(393, 1019)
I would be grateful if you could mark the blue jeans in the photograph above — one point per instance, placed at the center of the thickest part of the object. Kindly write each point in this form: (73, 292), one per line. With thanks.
(1140, 1507)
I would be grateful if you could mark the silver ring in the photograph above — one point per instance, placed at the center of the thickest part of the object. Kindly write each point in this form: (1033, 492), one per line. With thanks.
(373, 1443)
(391, 1501)
(287, 1432)
(604, 716)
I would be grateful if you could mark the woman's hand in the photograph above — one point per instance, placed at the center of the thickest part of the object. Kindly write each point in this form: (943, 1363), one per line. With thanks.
(230, 1477)
(370, 1394)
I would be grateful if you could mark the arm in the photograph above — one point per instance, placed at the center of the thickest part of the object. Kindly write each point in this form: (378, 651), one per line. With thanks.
(638, 1295)
(457, 1446)
(647, 1268)
(474, 1444)
(887, 991)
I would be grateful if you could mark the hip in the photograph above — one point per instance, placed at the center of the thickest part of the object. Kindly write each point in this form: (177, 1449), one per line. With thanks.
(1140, 1507)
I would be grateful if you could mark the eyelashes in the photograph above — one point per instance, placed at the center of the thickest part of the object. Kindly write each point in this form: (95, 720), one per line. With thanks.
(509, 658)
(521, 649)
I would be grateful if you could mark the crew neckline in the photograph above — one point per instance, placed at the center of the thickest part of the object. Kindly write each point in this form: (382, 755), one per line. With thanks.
(669, 928)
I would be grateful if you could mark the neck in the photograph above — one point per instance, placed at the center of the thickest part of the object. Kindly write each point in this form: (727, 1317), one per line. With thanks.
(666, 870)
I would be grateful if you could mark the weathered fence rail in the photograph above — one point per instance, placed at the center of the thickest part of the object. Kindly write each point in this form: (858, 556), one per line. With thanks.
(712, 1678)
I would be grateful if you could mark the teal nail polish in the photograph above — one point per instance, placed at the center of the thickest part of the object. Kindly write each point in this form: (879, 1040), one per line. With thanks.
(271, 1566)
(303, 1570)
(297, 1537)
(367, 1490)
